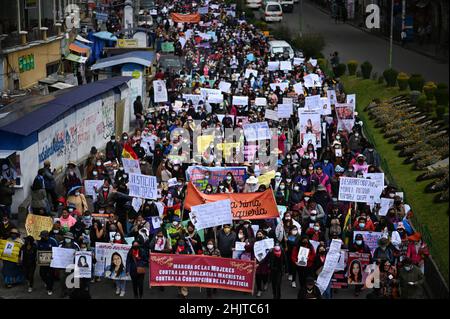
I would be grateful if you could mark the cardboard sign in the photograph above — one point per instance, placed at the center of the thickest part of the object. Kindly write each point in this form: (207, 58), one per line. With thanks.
(35, 224)
(160, 91)
(10, 250)
(44, 257)
(240, 100)
(271, 115)
(260, 101)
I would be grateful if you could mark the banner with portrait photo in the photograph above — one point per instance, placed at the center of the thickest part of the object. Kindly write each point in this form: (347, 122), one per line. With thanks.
(356, 270)
(83, 264)
(110, 257)
(310, 122)
(370, 238)
(345, 114)
(10, 250)
(198, 175)
(160, 91)
(131, 166)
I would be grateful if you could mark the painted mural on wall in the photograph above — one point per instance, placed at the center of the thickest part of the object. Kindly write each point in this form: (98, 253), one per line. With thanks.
(71, 138)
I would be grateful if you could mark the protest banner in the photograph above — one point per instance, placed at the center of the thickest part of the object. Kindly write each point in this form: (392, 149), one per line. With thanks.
(194, 98)
(211, 214)
(339, 279)
(358, 190)
(91, 185)
(260, 205)
(331, 260)
(142, 186)
(356, 270)
(187, 18)
(131, 166)
(298, 88)
(43, 257)
(266, 178)
(107, 256)
(312, 102)
(281, 85)
(34, 224)
(203, 175)
(285, 66)
(302, 257)
(83, 264)
(262, 247)
(203, 142)
(284, 111)
(346, 116)
(273, 65)
(370, 238)
(310, 123)
(62, 257)
(201, 271)
(385, 204)
(240, 100)
(225, 87)
(10, 250)
(256, 131)
(260, 101)
(160, 91)
(271, 115)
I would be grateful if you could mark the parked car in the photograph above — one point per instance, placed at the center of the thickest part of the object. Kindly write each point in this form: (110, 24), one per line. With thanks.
(253, 4)
(273, 12)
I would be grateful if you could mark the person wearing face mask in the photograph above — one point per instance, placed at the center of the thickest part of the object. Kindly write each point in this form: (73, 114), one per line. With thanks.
(160, 243)
(372, 156)
(312, 213)
(295, 196)
(211, 250)
(282, 194)
(417, 250)
(411, 281)
(304, 181)
(193, 238)
(315, 232)
(319, 260)
(209, 189)
(72, 177)
(251, 185)
(278, 264)
(66, 220)
(283, 229)
(139, 223)
(11, 271)
(113, 150)
(230, 183)
(276, 182)
(136, 268)
(76, 198)
(310, 290)
(291, 242)
(360, 165)
(103, 198)
(181, 247)
(384, 251)
(355, 143)
(226, 239)
(45, 272)
(175, 231)
(262, 268)
(303, 271)
(68, 243)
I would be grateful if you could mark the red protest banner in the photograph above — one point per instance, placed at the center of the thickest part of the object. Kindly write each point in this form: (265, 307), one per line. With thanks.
(202, 271)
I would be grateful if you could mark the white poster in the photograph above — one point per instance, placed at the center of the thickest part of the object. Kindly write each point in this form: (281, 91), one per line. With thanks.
(136, 202)
(273, 65)
(310, 123)
(260, 101)
(302, 257)
(156, 222)
(312, 80)
(262, 247)
(331, 95)
(143, 186)
(90, 185)
(131, 166)
(281, 85)
(194, 98)
(225, 87)
(351, 99)
(312, 102)
(211, 214)
(256, 131)
(248, 72)
(385, 204)
(325, 106)
(298, 88)
(285, 66)
(331, 261)
(240, 100)
(360, 190)
(379, 178)
(83, 264)
(239, 246)
(160, 91)
(285, 111)
(271, 114)
(313, 62)
(298, 61)
(62, 257)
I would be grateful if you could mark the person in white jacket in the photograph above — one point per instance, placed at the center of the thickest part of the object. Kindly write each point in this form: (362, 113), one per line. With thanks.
(282, 229)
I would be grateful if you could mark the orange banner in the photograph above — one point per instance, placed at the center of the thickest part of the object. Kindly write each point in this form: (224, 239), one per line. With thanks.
(188, 18)
(243, 205)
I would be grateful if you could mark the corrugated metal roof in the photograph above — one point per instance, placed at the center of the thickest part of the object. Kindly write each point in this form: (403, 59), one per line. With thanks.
(36, 119)
(139, 57)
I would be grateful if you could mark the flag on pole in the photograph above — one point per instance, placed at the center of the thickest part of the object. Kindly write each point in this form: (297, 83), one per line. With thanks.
(128, 152)
(347, 225)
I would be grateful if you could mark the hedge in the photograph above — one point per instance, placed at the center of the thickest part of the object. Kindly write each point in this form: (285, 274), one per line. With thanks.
(402, 81)
(366, 70)
(416, 82)
(352, 66)
(390, 75)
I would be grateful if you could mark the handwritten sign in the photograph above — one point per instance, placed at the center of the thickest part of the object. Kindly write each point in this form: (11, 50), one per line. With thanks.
(142, 186)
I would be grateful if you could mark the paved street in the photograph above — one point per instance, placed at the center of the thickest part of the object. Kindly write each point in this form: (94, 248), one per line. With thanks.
(352, 43)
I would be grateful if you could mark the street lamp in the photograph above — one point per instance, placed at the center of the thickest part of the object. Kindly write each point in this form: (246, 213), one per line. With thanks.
(391, 39)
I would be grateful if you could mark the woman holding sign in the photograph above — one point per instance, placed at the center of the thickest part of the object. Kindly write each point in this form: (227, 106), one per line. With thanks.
(12, 272)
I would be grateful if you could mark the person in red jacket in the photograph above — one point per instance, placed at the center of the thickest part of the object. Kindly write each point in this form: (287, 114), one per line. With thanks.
(308, 270)
(363, 224)
(417, 250)
(315, 232)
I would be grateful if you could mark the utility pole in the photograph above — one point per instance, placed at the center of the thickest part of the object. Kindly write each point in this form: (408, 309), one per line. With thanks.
(391, 40)
(301, 18)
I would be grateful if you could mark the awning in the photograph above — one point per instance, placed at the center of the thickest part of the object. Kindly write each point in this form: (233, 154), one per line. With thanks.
(81, 39)
(79, 47)
(144, 58)
(76, 58)
(188, 18)
(61, 85)
(104, 35)
(6, 154)
(422, 3)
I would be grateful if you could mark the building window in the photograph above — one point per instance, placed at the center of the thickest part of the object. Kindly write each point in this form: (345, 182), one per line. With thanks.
(52, 68)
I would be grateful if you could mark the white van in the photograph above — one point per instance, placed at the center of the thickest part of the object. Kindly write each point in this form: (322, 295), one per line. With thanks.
(281, 47)
(253, 4)
(273, 12)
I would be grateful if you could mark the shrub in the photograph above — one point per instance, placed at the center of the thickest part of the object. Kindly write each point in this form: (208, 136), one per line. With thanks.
(416, 82)
(352, 66)
(414, 95)
(421, 102)
(441, 94)
(358, 74)
(380, 79)
(440, 111)
(340, 70)
(429, 88)
(261, 25)
(390, 75)
(282, 33)
(249, 14)
(402, 80)
(430, 105)
(311, 45)
(366, 69)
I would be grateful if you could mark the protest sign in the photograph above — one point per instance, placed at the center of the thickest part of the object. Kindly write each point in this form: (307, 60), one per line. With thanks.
(285, 110)
(298, 88)
(256, 131)
(44, 257)
(167, 47)
(249, 72)
(172, 182)
(10, 250)
(240, 100)
(331, 95)
(288, 100)
(285, 66)
(370, 238)
(142, 186)
(211, 214)
(194, 98)
(282, 210)
(385, 204)
(265, 178)
(91, 185)
(310, 123)
(207, 93)
(302, 257)
(239, 246)
(325, 106)
(225, 87)
(260, 101)
(160, 91)
(201, 271)
(271, 115)
(281, 85)
(298, 61)
(262, 247)
(273, 65)
(83, 264)
(351, 99)
(313, 62)
(156, 222)
(379, 178)
(331, 260)
(339, 279)
(312, 102)
(242, 119)
(62, 257)
(203, 175)
(312, 80)
(203, 10)
(314, 243)
(356, 272)
(360, 190)
(346, 116)
(260, 205)
(136, 202)
(107, 256)
(34, 224)
(131, 166)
